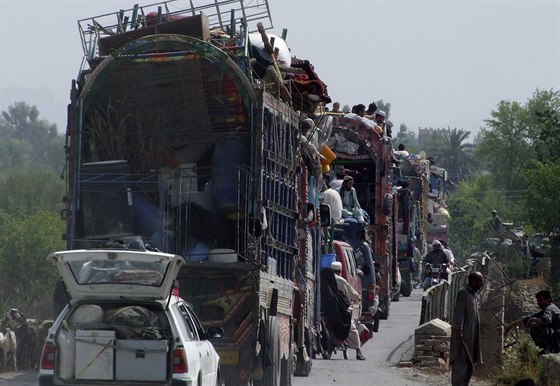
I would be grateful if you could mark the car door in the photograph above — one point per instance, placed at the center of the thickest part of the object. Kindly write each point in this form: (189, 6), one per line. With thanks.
(353, 279)
(210, 362)
(202, 351)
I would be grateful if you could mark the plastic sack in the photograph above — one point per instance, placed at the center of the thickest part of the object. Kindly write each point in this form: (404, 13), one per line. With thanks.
(364, 333)
(66, 343)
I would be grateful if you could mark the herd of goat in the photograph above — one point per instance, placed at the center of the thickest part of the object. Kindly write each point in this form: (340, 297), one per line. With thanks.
(21, 341)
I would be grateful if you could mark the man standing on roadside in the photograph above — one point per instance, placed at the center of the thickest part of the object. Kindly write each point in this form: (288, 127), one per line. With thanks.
(465, 336)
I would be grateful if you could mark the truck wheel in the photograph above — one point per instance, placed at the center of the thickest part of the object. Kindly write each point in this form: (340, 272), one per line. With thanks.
(271, 374)
(287, 369)
(384, 307)
(406, 283)
(303, 367)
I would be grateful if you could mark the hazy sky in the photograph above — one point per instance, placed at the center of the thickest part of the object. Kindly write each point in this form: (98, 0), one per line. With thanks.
(439, 63)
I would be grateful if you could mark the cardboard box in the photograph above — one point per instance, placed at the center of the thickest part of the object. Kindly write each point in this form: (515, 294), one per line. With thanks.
(95, 354)
(141, 360)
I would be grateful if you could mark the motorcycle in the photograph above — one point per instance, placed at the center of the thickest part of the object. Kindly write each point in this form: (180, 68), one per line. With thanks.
(434, 275)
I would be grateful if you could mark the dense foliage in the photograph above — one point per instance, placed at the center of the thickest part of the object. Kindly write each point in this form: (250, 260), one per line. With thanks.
(31, 190)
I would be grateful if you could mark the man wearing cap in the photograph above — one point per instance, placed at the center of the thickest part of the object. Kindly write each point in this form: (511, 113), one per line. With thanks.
(435, 257)
(379, 120)
(353, 339)
(350, 205)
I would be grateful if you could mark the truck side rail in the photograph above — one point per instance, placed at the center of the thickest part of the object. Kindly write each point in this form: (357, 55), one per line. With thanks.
(221, 14)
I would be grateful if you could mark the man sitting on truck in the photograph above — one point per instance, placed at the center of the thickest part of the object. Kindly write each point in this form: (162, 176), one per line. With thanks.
(350, 205)
(353, 339)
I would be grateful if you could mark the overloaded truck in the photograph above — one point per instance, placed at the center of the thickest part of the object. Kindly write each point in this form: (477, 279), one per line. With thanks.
(411, 181)
(367, 156)
(184, 137)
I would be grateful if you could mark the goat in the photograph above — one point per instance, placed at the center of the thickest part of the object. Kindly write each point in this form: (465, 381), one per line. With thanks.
(8, 343)
(27, 338)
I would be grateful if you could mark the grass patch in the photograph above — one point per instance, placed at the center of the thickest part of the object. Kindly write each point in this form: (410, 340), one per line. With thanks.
(519, 361)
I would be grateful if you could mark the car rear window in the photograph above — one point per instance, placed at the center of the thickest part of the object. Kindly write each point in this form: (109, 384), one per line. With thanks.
(117, 271)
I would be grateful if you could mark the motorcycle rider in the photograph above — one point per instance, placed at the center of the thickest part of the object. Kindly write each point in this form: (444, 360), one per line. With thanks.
(436, 256)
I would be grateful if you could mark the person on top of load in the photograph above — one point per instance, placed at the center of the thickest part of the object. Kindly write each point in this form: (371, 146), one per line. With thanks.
(350, 205)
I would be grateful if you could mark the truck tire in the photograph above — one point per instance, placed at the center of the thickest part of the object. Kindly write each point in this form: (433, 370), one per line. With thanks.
(384, 307)
(303, 368)
(406, 283)
(287, 368)
(271, 374)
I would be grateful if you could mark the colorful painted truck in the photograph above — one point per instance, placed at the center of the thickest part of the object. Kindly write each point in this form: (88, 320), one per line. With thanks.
(181, 138)
(367, 156)
(411, 180)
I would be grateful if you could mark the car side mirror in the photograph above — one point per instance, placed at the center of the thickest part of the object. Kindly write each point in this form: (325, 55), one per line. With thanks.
(214, 333)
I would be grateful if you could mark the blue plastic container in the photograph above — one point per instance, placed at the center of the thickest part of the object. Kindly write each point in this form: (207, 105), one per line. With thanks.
(327, 260)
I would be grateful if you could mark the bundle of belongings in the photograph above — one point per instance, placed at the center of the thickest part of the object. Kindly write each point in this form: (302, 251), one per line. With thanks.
(305, 88)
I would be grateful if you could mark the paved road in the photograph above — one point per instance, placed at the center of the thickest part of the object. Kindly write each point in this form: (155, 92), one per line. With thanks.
(392, 344)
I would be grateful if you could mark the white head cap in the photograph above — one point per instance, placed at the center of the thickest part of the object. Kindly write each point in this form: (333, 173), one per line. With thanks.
(436, 243)
(308, 123)
(336, 266)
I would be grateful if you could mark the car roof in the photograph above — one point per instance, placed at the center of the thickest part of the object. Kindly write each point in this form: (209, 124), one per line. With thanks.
(117, 274)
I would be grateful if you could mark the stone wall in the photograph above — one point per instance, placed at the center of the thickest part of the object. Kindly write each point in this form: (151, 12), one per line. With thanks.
(431, 344)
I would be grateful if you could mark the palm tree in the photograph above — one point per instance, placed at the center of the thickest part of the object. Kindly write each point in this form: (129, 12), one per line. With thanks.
(455, 155)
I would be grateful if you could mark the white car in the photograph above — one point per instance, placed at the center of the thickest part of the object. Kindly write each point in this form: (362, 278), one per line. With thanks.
(123, 326)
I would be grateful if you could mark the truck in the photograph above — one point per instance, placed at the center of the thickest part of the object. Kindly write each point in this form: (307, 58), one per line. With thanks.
(411, 180)
(363, 153)
(184, 137)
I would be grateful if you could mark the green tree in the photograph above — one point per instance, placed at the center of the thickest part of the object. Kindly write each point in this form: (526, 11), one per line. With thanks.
(543, 196)
(506, 145)
(544, 123)
(27, 279)
(407, 138)
(26, 191)
(543, 211)
(454, 154)
(27, 140)
(385, 106)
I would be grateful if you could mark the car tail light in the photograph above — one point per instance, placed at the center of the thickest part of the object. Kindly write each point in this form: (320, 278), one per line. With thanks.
(180, 361)
(47, 356)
